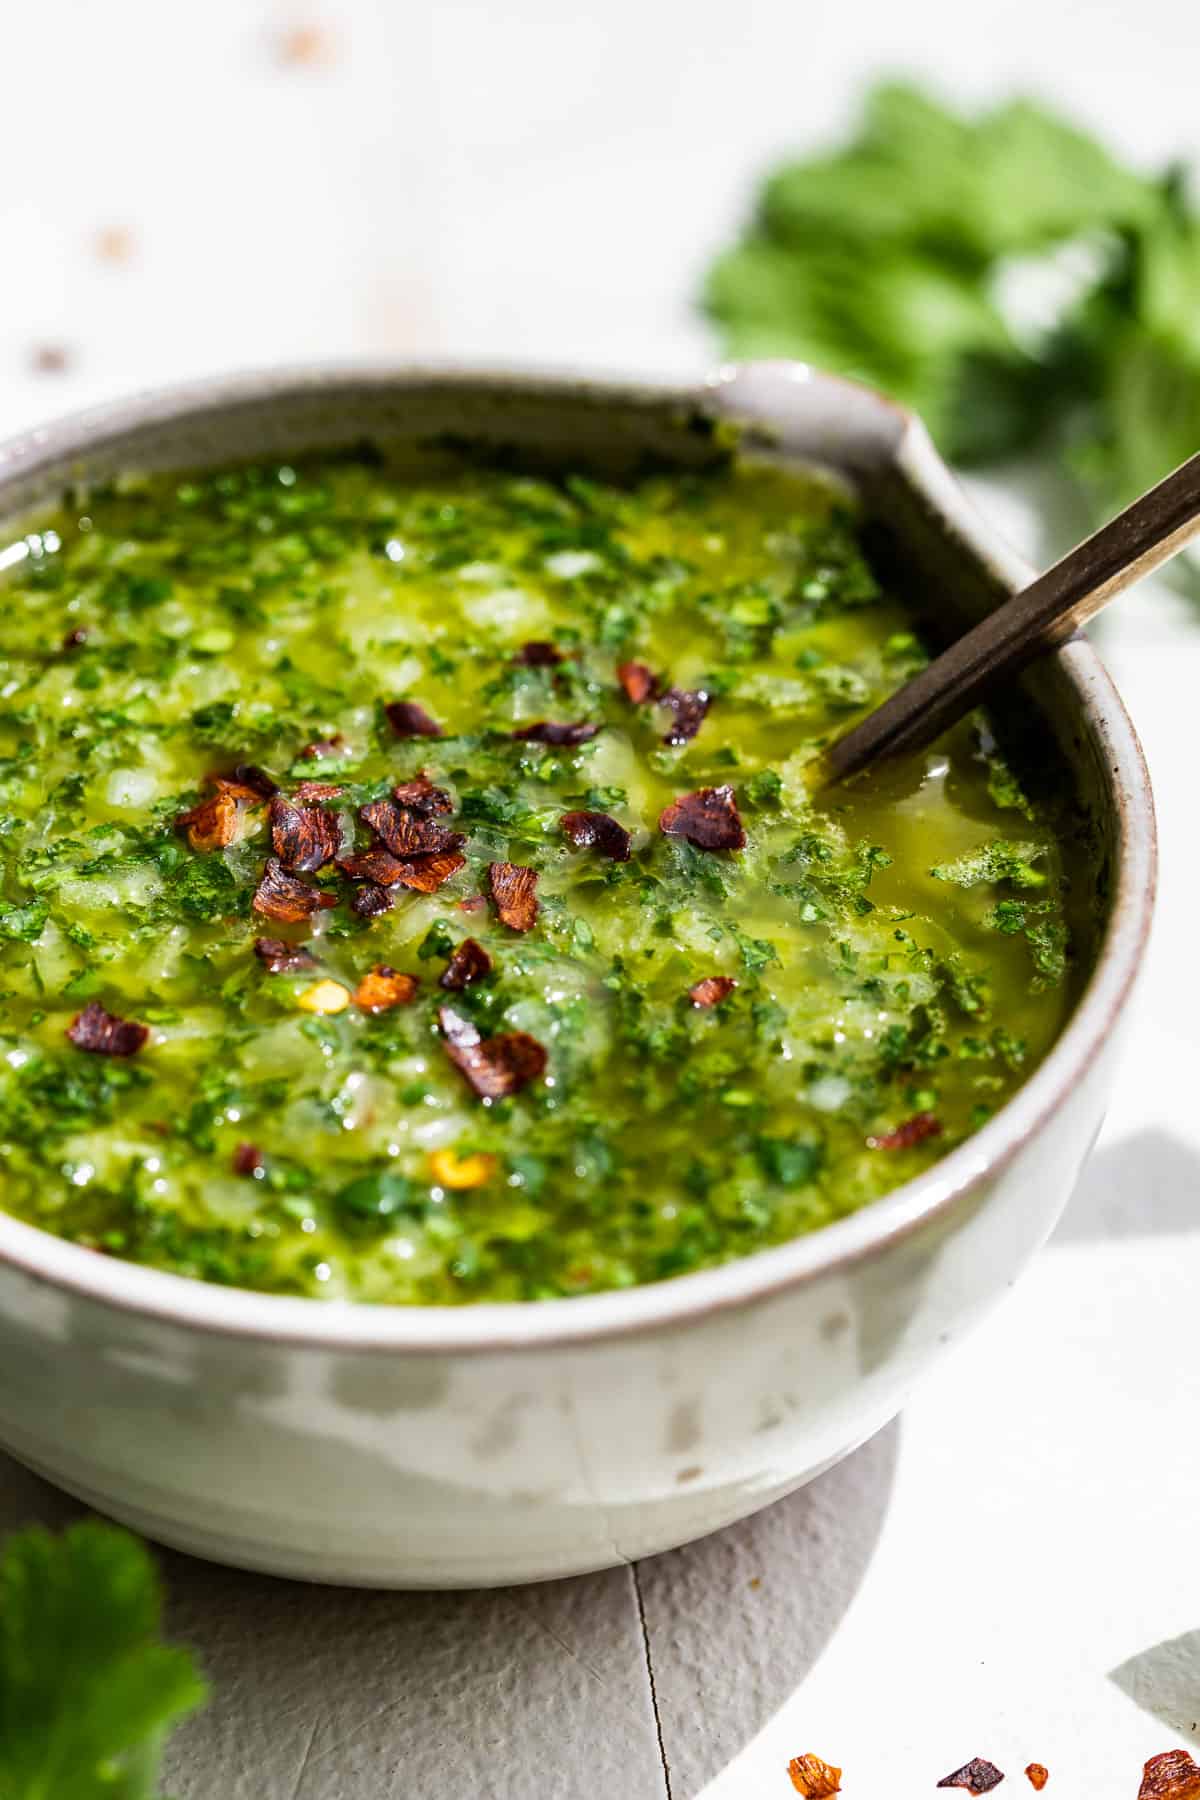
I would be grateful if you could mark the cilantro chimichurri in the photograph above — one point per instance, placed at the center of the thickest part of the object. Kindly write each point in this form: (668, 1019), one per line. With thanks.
(409, 889)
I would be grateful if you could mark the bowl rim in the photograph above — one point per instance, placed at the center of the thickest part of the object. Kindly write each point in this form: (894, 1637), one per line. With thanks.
(896, 438)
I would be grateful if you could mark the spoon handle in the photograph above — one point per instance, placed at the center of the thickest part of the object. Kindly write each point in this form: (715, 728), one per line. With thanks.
(1039, 618)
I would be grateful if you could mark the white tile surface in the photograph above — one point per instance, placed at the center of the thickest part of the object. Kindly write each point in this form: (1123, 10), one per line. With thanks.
(1006, 1572)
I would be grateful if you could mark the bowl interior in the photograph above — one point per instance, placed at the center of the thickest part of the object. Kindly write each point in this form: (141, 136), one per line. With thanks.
(921, 530)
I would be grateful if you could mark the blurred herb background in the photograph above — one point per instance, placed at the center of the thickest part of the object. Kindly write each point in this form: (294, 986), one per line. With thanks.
(1001, 274)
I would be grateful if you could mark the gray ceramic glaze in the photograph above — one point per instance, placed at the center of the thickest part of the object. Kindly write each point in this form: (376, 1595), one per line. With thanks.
(499, 1443)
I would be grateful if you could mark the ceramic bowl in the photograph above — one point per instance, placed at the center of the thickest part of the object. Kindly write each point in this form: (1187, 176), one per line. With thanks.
(431, 1447)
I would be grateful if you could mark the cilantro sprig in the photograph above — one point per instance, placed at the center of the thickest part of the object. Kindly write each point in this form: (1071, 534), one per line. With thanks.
(88, 1691)
(909, 257)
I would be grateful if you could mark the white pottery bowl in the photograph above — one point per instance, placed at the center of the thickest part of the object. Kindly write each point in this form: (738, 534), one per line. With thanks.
(431, 1447)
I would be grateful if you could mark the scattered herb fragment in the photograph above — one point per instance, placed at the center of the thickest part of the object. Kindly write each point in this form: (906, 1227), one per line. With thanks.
(24, 924)
(814, 1779)
(104, 1033)
(469, 962)
(978, 1777)
(995, 862)
(598, 830)
(514, 894)
(707, 818)
(497, 1066)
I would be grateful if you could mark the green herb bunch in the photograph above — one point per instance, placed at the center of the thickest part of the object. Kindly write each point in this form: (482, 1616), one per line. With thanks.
(1004, 276)
(88, 1691)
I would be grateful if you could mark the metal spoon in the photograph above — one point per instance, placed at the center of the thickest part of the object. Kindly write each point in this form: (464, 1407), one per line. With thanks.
(1039, 618)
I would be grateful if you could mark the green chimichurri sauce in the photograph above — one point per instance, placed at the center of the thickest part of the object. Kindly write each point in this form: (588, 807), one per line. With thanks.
(681, 1055)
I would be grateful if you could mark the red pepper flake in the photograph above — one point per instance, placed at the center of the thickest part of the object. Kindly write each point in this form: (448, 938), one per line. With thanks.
(371, 900)
(324, 748)
(550, 731)
(377, 865)
(427, 873)
(248, 1160)
(495, 1067)
(708, 818)
(813, 1778)
(280, 958)
(640, 683)
(913, 1131)
(1172, 1775)
(1038, 1775)
(245, 781)
(318, 790)
(586, 830)
(712, 990)
(212, 824)
(51, 359)
(405, 833)
(473, 903)
(978, 1777)
(408, 720)
(382, 988)
(690, 707)
(281, 896)
(469, 962)
(306, 46)
(424, 874)
(538, 654)
(100, 1031)
(75, 640)
(114, 244)
(304, 838)
(513, 888)
(419, 796)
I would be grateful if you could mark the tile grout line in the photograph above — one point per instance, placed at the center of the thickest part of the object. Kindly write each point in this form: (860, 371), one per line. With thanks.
(641, 1611)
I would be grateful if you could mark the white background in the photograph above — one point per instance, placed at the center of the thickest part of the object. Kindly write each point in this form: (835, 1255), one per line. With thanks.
(1009, 1571)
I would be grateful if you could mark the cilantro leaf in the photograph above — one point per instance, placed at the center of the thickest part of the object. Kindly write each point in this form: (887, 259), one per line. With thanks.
(998, 861)
(897, 258)
(88, 1691)
(24, 924)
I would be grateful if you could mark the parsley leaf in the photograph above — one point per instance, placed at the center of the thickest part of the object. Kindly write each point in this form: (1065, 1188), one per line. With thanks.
(995, 862)
(906, 258)
(88, 1691)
